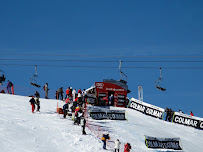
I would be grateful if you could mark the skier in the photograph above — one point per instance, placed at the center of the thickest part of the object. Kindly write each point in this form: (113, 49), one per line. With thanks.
(60, 93)
(79, 91)
(32, 102)
(37, 95)
(46, 89)
(73, 112)
(117, 145)
(105, 137)
(65, 109)
(73, 94)
(9, 85)
(83, 123)
(78, 114)
(191, 114)
(56, 95)
(127, 147)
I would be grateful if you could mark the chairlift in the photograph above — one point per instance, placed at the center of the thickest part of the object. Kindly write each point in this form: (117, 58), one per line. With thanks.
(158, 82)
(2, 77)
(122, 74)
(33, 79)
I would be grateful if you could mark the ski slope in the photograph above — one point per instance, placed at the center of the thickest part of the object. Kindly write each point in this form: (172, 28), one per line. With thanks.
(47, 131)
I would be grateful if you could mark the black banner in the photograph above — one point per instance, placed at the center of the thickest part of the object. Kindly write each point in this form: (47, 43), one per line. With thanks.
(163, 143)
(188, 120)
(146, 108)
(109, 114)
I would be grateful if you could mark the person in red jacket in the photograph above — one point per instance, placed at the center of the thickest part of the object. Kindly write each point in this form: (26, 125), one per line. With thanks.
(127, 147)
(79, 91)
(191, 114)
(32, 102)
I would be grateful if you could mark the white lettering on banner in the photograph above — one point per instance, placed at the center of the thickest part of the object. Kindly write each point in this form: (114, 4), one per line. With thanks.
(168, 145)
(116, 116)
(201, 125)
(99, 84)
(154, 113)
(186, 121)
(137, 106)
(114, 89)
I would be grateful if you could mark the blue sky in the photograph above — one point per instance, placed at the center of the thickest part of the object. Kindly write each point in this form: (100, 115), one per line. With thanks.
(106, 31)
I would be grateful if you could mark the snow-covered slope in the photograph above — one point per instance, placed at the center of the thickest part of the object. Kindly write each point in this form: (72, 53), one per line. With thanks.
(21, 130)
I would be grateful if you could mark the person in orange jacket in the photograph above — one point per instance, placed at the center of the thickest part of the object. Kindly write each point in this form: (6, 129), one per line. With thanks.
(127, 147)
(105, 137)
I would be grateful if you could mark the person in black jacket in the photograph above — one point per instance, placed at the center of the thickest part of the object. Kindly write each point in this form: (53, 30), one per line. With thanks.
(32, 102)
(37, 100)
(65, 109)
(83, 123)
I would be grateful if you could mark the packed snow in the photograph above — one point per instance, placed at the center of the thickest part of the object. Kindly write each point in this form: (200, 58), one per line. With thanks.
(46, 131)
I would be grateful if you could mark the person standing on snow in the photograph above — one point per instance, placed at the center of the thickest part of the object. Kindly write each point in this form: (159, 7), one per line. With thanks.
(60, 93)
(46, 89)
(83, 123)
(105, 137)
(191, 114)
(73, 94)
(37, 100)
(127, 147)
(32, 102)
(65, 110)
(117, 145)
(9, 85)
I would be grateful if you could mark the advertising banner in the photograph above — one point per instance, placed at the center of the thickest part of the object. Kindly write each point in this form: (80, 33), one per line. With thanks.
(188, 120)
(146, 108)
(100, 114)
(163, 143)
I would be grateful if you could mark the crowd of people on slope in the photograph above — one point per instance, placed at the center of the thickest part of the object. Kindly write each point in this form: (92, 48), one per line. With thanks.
(169, 114)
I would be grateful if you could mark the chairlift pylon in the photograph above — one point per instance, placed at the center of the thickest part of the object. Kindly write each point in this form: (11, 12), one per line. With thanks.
(158, 82)
(33, 79)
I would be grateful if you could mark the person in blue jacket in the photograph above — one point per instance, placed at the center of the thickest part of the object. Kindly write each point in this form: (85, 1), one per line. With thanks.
(9, 85)
(65, 109)
(105, 137)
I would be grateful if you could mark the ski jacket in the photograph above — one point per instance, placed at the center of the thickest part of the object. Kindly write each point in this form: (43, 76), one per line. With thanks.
(37, 102)
(46, 87)
(82, 121)
(117, 144)
(65, 107)
(32, 101)
(127, 147)
(37, 94)
(79, 91)
(105, 137)
(9, 84)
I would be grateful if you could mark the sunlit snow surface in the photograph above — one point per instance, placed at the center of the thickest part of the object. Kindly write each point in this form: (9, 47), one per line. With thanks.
(47, 131)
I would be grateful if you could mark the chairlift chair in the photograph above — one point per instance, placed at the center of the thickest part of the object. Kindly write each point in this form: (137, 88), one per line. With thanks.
(33, 79)
(158, 82)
